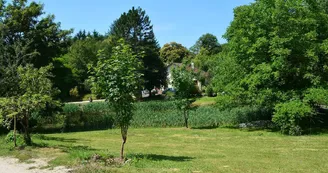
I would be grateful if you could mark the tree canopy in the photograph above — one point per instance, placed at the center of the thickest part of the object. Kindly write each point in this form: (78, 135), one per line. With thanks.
(280, 47)
(209, 43)
(173, 53)
(136, 29)
(23, 25)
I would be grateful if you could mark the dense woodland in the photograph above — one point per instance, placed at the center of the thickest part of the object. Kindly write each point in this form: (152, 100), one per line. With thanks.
(275, 61)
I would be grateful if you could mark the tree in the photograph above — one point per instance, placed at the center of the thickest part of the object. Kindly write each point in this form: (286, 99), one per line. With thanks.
(36, 94)
(116, 78)
(183, 83)
(83, 35)
(173, 53)
(11, 57)
(282, 48)
(136, 29)
(25, 23)
(81, 54)
(208, 42)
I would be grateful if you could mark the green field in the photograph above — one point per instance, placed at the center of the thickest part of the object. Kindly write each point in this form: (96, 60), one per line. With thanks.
(183, 150)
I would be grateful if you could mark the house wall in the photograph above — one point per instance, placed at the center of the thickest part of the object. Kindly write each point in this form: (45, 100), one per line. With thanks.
(169, 77)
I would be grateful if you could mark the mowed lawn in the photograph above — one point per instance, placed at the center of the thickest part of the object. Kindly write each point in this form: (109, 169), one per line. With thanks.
(190, 150)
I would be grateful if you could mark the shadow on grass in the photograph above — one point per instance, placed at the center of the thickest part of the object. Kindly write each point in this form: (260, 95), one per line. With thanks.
(205, 127)
(157, 157)
(316, 131)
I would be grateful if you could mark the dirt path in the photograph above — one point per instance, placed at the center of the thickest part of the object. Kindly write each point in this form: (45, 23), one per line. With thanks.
(11, 165)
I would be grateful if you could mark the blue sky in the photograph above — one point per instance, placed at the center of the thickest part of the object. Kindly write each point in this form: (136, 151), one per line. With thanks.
(182, 21)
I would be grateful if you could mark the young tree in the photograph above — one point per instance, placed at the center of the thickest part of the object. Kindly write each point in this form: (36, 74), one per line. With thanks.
(36, 94)
(183, 83)
(117, 77)
(136, 29)
(173, 53)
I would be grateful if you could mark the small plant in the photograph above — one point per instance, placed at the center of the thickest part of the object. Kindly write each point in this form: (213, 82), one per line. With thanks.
(74, 92)
(10, 138)
(209, 91)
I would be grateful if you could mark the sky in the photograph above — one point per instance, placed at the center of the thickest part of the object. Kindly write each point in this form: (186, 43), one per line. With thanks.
(182, 21)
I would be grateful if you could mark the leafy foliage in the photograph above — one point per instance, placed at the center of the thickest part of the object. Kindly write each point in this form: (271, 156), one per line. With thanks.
(173, 53)
(26, 36)
(289, 114)
(37, 94)
(183, 83)
(278, 53)
(92, 116)
(207, 42)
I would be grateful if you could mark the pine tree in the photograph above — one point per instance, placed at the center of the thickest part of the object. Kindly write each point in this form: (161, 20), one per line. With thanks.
(136, 29)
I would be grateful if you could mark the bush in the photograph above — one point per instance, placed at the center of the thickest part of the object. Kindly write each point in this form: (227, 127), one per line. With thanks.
(87, 116)
(225, 101)
(19, 138)
(209, 91)
(74, 92)
(288, 116)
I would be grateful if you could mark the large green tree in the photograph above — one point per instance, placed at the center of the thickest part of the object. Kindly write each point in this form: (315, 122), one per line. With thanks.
(136, 29)
(209, 43)
(173, 53)
(25, 23)
(81, 54)
(117, 77)
(282, 47)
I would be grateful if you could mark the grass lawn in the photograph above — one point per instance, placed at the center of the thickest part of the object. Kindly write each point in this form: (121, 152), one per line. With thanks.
(203, 101)
(185, 150)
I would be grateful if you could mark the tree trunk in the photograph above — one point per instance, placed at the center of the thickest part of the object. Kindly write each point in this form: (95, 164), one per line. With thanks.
(185, 118)
(15, 127)
(27, 137)
(122, 148)
(124, 136)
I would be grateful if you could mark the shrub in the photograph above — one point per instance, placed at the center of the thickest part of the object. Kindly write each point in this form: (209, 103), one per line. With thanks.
(19, 138)
(87, 116)
(288, 116)
(209, 91)
(225, 101)
(74, 92)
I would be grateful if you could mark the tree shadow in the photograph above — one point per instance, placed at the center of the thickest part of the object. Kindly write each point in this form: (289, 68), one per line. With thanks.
(59, 139)
(68, 149)
(157, 157)
(205, 127)
(316, 131)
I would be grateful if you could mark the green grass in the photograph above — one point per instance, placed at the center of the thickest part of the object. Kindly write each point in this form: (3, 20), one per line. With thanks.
(204, 101)
(185, 150)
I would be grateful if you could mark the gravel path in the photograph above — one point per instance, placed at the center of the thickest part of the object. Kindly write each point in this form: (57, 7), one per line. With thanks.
(11, 165)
